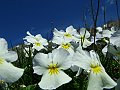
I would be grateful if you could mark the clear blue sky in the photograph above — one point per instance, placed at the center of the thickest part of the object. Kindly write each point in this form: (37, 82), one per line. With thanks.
(19, 16)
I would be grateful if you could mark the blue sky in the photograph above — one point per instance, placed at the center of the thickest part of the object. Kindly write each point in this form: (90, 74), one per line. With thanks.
(36, 16)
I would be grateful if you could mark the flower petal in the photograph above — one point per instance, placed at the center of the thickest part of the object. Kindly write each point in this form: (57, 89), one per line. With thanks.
(99, 81)
(82, 59)
(53, 81)
(99, 29)
(30, 39)
(41, 59)
(3, 46)
(39, 70)
(71, 30)
(10, 73)
(94, 57)
(38, 48)
(107, 33)
(74, 68)
(44, 41)
(60, 56)
(58, 33)
(95, 82)
(107, 81)
(79, 71)
(115, 41)
(58, 40)
(82, 32)
(86, 43)
(105, 49)
(28, 33)
(38, 36)
(11, 56)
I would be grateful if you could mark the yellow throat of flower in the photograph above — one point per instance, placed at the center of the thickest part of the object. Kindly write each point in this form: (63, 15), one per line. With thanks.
(37, 44)
(66, 45)
(96, 68)
(67, 35)
(53, 69)
(1, 60)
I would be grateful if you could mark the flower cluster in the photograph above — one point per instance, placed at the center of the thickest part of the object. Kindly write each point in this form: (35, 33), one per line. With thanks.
(71, 50)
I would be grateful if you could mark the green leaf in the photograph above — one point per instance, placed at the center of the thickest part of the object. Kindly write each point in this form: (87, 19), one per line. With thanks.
(30, 87)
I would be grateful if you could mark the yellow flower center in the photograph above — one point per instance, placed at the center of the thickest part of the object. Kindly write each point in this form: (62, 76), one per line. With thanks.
(37, 44)
(66, 46)
(96, 68)
(67, 35)
(1, 60)
(53, 69)
(118, 53)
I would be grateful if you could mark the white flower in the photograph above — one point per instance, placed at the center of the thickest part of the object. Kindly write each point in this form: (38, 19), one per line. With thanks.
(107, 33)
(65, 44)
(82, 37)
(67, 35)
(98, 78)
(51, 66)
(115, 41)
(8, 72)
(37, 41)
(102, 33)
(68, 47)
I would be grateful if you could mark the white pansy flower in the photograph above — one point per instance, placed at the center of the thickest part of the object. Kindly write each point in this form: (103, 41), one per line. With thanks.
(107, 33)
(64, 44)
(102, 33)
(68, 47)
(115, 41)
(8, 72)
(37, 41)
(98, 78)
(51, 66)
(82, 37)
(67, 35)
